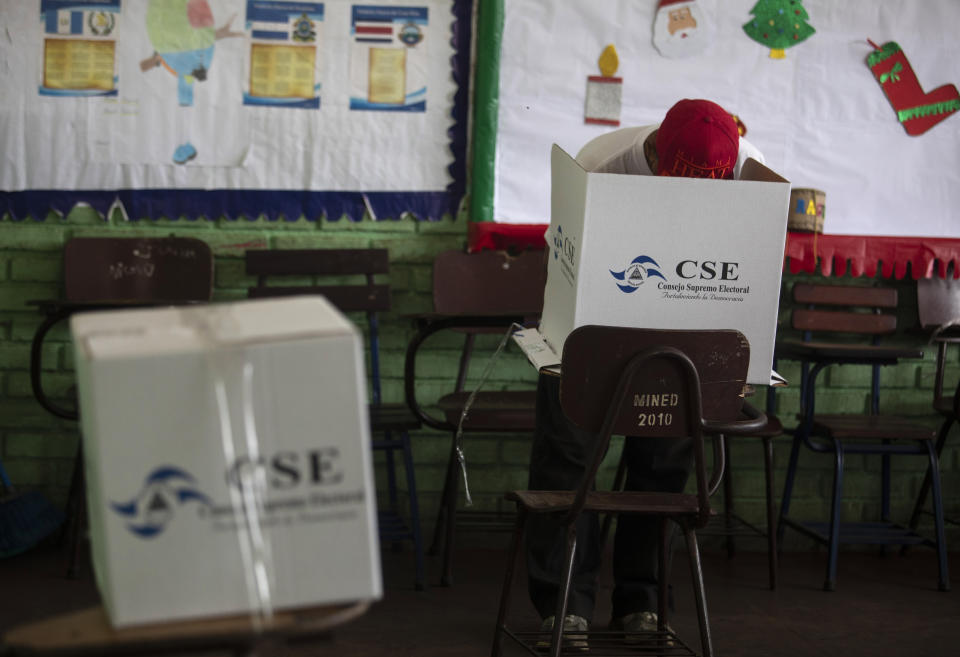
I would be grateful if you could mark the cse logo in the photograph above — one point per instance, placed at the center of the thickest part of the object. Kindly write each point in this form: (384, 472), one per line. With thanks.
(708, 270)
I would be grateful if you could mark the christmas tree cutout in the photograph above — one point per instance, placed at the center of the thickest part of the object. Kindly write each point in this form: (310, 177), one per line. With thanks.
(779, 24)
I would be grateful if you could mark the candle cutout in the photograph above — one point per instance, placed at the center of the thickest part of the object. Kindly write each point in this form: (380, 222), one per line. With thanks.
(603, 99)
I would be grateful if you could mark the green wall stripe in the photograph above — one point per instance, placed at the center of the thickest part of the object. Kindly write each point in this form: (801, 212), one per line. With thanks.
(485, 107)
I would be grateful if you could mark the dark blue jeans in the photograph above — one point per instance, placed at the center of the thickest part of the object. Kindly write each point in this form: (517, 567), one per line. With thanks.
(559, 457)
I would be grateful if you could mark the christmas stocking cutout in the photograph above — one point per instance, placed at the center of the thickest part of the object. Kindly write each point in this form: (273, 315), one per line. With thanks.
(683, 28)
(916, 110)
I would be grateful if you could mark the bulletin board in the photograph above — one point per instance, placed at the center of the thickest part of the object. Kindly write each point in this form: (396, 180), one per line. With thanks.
(834, 110)
(229, 108)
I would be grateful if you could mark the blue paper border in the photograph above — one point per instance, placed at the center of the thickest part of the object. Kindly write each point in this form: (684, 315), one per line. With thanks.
(273, 204)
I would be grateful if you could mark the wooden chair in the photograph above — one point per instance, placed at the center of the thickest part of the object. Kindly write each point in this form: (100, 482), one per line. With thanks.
(603, 371)
(102, 273)
(846, 312)
(475, 294)
(728, 523)
(393, 422)
(938, 303)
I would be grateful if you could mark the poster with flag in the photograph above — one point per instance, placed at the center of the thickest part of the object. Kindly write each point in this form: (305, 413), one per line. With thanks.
(283, 66)
(388, 58)
(233, 108)
(79, 47)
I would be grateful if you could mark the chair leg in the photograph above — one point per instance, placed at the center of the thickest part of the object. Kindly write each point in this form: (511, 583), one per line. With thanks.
(76, 523)
(830, 583)
(556, 640)
(663, 599)
(696, 573)
(513, 560)
(944, 583)
(885, 485)
(618, 482)
(925, 486)
(728, 502)
(438, 529)
(420, 581)
(788, 489)
(771, 512)
(453, 485)
(390, 466)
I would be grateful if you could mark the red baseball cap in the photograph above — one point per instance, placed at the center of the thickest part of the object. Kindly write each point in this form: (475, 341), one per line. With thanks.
(697, 139)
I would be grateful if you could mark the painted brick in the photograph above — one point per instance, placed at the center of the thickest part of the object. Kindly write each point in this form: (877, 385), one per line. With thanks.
(36, 269)
(842, 401)
(411, 250)
(42, 445)
(422, 278)
(430, 446)
(29, 471)
(16, 356)
(445, 226)
(845, 376)
(81, 215)
(231, 274)
(16, 296)
(234, 243)
(495, 480)
(25, 325)
(319, 240)
(910, 402)
(363, 224)
(29, 235)
(57, 386)
(18, 414)
(265, 224)
(185, 225)
(516, 452)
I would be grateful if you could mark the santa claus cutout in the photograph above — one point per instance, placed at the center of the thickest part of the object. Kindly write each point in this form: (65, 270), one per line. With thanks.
(682, 28)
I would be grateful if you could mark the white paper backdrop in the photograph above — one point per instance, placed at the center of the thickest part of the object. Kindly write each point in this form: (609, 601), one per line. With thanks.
(819, 116)
(48, 143)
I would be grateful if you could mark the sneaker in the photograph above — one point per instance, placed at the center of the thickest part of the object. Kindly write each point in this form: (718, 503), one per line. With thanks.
(571, 624)
(636, 625)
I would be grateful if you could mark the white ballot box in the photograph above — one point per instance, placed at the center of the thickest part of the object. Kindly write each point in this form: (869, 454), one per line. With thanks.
(227, 455)
(661, 252)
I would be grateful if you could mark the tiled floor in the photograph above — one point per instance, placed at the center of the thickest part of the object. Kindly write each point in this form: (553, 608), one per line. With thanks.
(884, 606)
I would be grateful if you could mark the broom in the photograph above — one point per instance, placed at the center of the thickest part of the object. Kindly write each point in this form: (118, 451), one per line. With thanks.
(25, 518)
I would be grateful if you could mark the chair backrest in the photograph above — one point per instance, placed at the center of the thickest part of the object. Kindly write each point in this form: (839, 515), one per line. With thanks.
(489, 282)
(137, 269)
(938, 306)
(844, 309)
(305, 265)
(652, 383)
(343, 266)
(595, 356)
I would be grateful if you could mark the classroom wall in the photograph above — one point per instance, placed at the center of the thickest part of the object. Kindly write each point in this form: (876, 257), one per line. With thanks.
(38, 449)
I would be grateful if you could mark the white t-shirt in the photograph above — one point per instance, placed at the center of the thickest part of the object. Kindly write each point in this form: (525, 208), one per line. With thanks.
(621, 151)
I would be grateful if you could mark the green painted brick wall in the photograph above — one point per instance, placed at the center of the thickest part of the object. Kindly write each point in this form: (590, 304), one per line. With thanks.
(38, 449)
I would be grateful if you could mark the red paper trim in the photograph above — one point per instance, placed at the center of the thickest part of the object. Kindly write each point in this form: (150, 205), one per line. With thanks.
(864, 256)
(605, 79)
(491, 235)
(926, 256)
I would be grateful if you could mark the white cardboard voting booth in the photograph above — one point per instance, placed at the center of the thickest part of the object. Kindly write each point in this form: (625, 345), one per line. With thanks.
(227, 454)
(666, 253)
